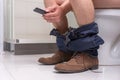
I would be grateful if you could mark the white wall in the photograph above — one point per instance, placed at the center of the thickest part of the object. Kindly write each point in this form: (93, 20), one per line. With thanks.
(27, 24)
(1, 25)
(24, 24)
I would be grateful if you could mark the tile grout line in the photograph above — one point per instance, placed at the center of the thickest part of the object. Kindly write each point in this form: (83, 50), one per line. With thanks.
(10, 74)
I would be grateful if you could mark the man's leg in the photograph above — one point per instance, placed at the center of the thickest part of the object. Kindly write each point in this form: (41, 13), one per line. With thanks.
(83, 40)
(61, 26)
(83, 10)
(62, 54)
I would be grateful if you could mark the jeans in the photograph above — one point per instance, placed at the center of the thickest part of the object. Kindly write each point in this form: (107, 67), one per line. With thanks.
(82, 39)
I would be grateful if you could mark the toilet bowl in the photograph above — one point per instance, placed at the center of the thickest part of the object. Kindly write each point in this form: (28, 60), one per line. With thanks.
(109, 29)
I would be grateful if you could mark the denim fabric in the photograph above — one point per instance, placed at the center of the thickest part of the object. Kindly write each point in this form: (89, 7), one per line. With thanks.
(61, 45)
(60, 41)
(92, 51)
(83, 39)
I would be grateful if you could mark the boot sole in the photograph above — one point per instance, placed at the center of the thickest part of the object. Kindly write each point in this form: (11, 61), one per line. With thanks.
(45, 63)
(49, 63)
(71, 71)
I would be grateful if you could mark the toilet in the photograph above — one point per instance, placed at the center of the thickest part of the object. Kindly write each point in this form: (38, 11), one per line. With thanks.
(109, 29)
(108, 19)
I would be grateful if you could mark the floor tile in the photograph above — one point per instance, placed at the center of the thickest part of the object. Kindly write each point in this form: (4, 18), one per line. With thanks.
(26, 67)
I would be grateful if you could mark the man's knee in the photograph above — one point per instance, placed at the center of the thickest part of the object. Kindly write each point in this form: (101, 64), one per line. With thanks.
(59, 2)
(55, 2)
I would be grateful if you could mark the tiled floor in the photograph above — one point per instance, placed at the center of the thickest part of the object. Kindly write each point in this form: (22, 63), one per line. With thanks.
(26, 67)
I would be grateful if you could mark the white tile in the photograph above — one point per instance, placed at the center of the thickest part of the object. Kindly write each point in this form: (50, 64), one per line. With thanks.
(26, 67)
(4, 74)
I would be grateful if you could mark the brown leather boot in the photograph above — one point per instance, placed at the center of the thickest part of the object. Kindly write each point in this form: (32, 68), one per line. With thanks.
(58, 57)
(79, 63)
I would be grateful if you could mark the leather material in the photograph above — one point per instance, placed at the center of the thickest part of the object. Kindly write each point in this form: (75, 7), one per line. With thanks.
(80, 62)
(58, 57)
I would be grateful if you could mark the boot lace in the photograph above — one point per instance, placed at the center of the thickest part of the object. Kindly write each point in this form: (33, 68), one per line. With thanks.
(75, 55)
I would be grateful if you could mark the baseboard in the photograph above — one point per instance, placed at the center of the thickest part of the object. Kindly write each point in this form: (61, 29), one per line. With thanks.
(6, 46)
(30, 48)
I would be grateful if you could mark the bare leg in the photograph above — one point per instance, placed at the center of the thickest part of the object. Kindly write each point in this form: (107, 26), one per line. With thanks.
(83, 10)
(61, 26)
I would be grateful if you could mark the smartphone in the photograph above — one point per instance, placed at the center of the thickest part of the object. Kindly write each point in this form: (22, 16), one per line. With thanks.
(40, 11)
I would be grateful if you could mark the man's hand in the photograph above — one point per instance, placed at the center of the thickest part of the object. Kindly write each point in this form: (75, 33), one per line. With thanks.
(55, 14)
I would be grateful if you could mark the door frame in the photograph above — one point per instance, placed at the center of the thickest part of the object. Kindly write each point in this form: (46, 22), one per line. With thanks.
(1, 25)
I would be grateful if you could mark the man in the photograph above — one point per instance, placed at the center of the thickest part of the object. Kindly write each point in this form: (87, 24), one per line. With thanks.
(77, 47)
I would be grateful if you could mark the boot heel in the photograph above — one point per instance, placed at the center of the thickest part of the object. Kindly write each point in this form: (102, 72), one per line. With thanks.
(94, 68)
